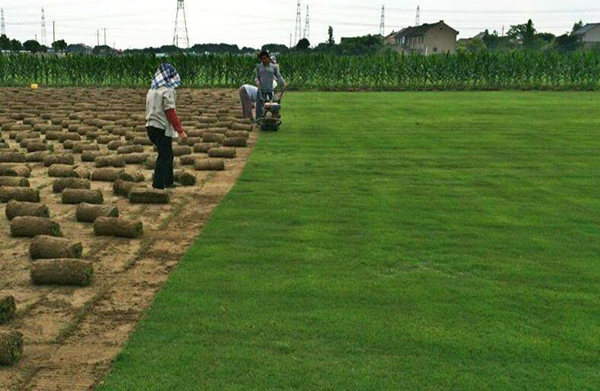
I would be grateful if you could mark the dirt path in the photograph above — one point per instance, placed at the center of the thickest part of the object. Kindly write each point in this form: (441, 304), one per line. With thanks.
(72, 334)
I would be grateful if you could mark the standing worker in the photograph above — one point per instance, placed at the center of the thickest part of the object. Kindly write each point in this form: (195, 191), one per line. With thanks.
(162, 123)
(266, 72)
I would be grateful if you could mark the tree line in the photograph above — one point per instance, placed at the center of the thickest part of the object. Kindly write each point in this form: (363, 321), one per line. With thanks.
(519, 37)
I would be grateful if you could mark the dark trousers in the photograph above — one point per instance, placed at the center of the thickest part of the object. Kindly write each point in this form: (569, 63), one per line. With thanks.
(260, 102)
(163, 173)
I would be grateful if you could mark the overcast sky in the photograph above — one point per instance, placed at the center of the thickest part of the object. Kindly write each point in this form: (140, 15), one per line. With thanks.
(142, 23)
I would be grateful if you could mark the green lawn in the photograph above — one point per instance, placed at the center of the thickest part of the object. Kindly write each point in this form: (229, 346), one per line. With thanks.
(394, 241)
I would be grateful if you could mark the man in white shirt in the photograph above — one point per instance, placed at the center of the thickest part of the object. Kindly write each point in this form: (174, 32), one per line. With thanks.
(248, 96)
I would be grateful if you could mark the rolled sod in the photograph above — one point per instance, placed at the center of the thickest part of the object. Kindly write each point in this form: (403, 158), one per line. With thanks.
(115, 145)
(110, 161)
(11, 347)
(15, 171)
(241, 142)
(135, 158)
(105, 140)
(30, 227)
(51, 160)
(106, 174)
(62, 171)
(142, 141)
(140, 195)
(12, 157)
(227, 153)
(129, 176)
(88, 213)
(24, 194)
(238, 133)
(186, 178)
(238, 126)
(205, 147)
(64, 137)
(187, 160)
(123, 188)
(49, 247)
(210, 165)
(36, 157)
(80, 196)
(109, 226)
(213, 138)
(130, 149)
(181, 151)
(191, 141)
(62, 184)
(8, 308)
(62, 272)
(91, 156)
(22, 209)
(14, 181)
(80, 148)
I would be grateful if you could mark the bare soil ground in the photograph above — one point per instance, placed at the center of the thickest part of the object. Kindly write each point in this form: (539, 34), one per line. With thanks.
(72, 334)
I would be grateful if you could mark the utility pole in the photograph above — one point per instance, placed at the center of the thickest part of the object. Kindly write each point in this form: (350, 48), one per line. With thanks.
(44, 40)
(382, 24)
(98, 37)
(3, 26)
(503, 30)
(290, 40)
(307, 25)
(104, 36)
(181, 36)
(53, 31)
(418, 18)
(298, 30)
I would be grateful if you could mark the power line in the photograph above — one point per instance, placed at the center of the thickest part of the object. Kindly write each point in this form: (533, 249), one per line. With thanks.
(44, 40)
(307, 25)
(418, 18)
(298, 30)
(382, 24)
(181, 35)
(3, 26)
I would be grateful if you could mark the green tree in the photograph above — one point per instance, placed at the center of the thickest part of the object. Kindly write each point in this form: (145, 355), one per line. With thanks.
(59, 46)
(577, 26)
(32, 46)
(491, 40)
(524, 34)
(330, 40)
(4, 42)
(567, 43)
(275, 48)
(303, 44)
(476, 45)
(15, 45)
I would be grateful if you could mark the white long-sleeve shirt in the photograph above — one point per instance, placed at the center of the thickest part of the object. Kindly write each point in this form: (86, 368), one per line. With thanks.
(252, 92)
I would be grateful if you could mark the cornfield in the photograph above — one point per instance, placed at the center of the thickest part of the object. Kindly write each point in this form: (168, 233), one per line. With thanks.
(521, 70)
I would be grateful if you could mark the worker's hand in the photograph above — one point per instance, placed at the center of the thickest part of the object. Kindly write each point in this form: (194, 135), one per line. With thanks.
(286, 84)
(184, 136)
(257, 83)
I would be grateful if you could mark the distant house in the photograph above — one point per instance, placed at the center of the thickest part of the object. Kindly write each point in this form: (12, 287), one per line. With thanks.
(79, 49)
(466, 41)
(425, 39)
(589, 35)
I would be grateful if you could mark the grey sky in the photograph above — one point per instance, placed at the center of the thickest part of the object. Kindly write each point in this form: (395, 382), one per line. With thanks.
(142, 23)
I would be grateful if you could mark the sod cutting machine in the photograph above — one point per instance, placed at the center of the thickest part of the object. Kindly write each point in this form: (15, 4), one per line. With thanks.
(271, 113)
